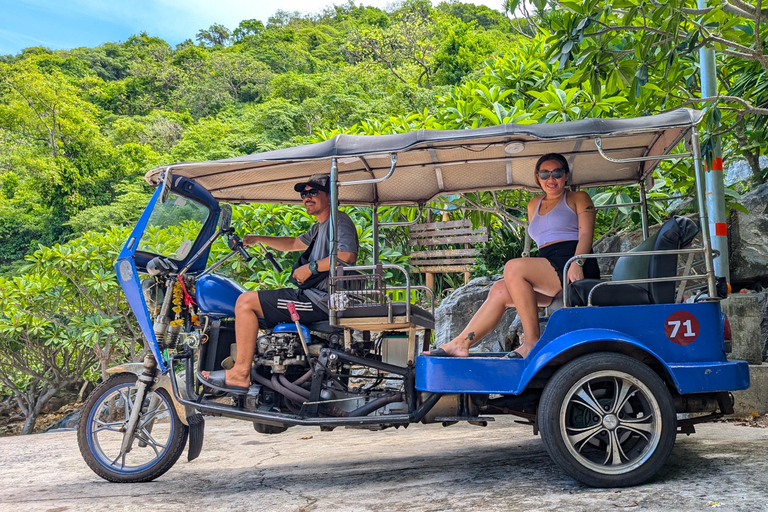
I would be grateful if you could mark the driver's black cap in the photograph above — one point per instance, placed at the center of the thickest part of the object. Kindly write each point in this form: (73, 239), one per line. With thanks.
(318, 181)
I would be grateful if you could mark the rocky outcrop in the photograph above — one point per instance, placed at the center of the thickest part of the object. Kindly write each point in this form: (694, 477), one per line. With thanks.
(748, 239)
(457, 309)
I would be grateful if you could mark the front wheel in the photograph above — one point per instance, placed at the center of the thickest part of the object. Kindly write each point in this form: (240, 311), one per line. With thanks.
(607, 420)
(159, 437)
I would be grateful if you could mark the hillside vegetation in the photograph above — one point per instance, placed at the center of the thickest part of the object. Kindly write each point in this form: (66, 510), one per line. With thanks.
(79, 128)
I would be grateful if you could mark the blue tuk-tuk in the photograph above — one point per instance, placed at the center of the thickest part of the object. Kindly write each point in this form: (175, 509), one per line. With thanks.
(622, 366)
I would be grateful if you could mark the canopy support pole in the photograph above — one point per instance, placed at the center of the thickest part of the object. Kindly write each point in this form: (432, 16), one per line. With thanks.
(333, 256)
(375, 222)
(644, 209)
(703, 217)
(715, 192)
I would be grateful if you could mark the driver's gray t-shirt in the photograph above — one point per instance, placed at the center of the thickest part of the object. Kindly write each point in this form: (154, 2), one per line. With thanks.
(320, 232)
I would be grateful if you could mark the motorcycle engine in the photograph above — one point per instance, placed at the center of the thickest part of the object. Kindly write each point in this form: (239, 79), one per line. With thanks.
(279, 350)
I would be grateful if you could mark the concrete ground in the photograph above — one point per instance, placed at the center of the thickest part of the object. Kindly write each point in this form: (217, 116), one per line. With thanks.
(422, 468)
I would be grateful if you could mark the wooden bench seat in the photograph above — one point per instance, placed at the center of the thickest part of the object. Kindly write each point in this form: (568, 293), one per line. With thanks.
(458, 256)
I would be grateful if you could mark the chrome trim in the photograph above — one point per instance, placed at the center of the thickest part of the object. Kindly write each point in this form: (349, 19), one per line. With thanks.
(619, 254)
(640, 281)
(671, 156)
(392, 158)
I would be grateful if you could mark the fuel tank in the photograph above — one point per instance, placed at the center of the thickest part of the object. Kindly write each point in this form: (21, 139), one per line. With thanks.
(216, 295)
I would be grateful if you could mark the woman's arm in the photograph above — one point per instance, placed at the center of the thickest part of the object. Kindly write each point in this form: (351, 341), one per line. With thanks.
(585, 210)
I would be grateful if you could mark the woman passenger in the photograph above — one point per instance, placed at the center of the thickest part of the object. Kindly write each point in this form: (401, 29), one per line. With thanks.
(562, 224)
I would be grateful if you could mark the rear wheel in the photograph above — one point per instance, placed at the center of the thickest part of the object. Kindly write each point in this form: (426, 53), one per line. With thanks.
(158, 441)
(607, 420)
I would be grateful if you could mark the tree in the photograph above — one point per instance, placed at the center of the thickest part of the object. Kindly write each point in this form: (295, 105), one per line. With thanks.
(647, 51)
(215, 35)
(40, 354)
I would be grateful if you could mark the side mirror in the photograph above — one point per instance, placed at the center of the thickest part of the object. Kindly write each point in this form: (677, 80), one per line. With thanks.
(225, 217)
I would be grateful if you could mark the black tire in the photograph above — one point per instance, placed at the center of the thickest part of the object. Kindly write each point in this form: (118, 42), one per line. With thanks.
(160, 435)
(623, 444)
(262, 428)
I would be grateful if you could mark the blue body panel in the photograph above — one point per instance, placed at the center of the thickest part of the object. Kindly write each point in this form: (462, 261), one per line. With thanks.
(696, 364)
(216, 295)
(129, 261)
(292, 328)
(128, 277)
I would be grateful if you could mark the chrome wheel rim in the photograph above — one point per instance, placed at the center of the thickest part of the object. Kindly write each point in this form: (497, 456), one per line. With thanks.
(610, 422)
(106, 428)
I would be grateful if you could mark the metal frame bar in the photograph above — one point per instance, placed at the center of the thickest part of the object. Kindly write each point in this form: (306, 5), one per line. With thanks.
(640, 281)
(634, 253)
(279, 418)
(407, 287)
(703, 217)
(667, 156)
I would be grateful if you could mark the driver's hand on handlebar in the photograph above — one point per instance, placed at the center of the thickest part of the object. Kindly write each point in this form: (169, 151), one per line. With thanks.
(302, 273)
(250, 240)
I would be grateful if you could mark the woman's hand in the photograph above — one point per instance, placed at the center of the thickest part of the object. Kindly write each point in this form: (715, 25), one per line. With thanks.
(575, 273)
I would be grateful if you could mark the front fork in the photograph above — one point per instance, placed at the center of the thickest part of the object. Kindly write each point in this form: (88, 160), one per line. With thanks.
(146, 380)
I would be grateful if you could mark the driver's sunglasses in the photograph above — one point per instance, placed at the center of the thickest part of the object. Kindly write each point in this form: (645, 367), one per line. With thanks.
(311, 193)
(555, 173)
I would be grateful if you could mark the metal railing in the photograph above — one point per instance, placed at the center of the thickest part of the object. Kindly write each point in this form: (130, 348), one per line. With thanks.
(700, 250)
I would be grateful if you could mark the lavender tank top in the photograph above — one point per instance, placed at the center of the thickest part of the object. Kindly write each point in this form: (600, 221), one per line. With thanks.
(559, 224)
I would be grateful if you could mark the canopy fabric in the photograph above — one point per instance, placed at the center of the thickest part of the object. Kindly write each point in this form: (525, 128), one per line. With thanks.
(432, 163)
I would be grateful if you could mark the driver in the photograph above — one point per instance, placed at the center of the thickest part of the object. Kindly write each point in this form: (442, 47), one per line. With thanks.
(310, 274)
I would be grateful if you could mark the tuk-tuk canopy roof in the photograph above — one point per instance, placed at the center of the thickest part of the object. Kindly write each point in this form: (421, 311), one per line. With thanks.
(432, 163)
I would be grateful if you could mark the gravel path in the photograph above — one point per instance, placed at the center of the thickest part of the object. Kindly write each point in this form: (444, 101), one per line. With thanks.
(500, 467)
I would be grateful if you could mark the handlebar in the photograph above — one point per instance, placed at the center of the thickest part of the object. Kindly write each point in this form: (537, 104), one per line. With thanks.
(236, 244)
(272, 260)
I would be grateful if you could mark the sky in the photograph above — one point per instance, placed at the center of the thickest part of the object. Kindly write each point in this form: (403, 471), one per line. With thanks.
(65, 24)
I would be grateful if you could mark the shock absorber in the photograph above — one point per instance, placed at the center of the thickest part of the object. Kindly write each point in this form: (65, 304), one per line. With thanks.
(161, 321)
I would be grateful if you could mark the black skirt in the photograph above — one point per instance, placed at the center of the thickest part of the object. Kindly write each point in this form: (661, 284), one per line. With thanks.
(559, 253)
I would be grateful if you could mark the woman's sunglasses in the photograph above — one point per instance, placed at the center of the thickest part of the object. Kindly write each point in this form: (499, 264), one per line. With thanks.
(555, 173)
(311, 193)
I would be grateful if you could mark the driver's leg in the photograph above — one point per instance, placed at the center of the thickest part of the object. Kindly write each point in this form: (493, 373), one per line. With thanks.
(247, 313)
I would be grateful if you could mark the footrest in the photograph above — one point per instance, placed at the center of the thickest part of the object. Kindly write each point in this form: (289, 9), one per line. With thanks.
(464, 418)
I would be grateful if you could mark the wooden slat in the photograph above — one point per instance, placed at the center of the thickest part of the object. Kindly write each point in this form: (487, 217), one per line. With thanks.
(450, 240)
(447, 261)
(439, 269)
(437, 225)
(447, 253)
(447, 232)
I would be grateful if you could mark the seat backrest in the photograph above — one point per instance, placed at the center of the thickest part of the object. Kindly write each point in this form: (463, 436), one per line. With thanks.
(676, 233)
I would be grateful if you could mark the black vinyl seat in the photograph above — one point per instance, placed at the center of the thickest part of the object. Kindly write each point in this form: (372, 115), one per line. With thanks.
(676, 233)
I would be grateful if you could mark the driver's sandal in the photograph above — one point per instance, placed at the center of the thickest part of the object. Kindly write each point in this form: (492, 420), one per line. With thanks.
(217, 381)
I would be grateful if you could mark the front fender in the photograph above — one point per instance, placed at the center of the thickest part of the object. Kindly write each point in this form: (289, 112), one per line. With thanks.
(583, 337)
(163, 380)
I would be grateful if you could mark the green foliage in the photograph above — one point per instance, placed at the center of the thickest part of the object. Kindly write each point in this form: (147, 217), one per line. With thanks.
(79, 128)
(64, 319)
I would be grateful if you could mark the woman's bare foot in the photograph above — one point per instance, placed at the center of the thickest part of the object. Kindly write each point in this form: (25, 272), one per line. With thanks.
(457, 347)
(232, 378)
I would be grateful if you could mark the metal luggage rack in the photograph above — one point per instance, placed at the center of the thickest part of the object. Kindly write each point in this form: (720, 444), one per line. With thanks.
(359, 291)
(355, 289)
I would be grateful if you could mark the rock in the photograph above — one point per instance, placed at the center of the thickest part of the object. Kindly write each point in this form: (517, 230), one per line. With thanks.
(743, 311)
(457, 309)
(748, 240)
(740, 170)
(762, 306)
(68, 422)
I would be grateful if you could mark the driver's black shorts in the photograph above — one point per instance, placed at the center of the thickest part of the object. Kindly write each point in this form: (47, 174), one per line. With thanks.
(274, 304)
